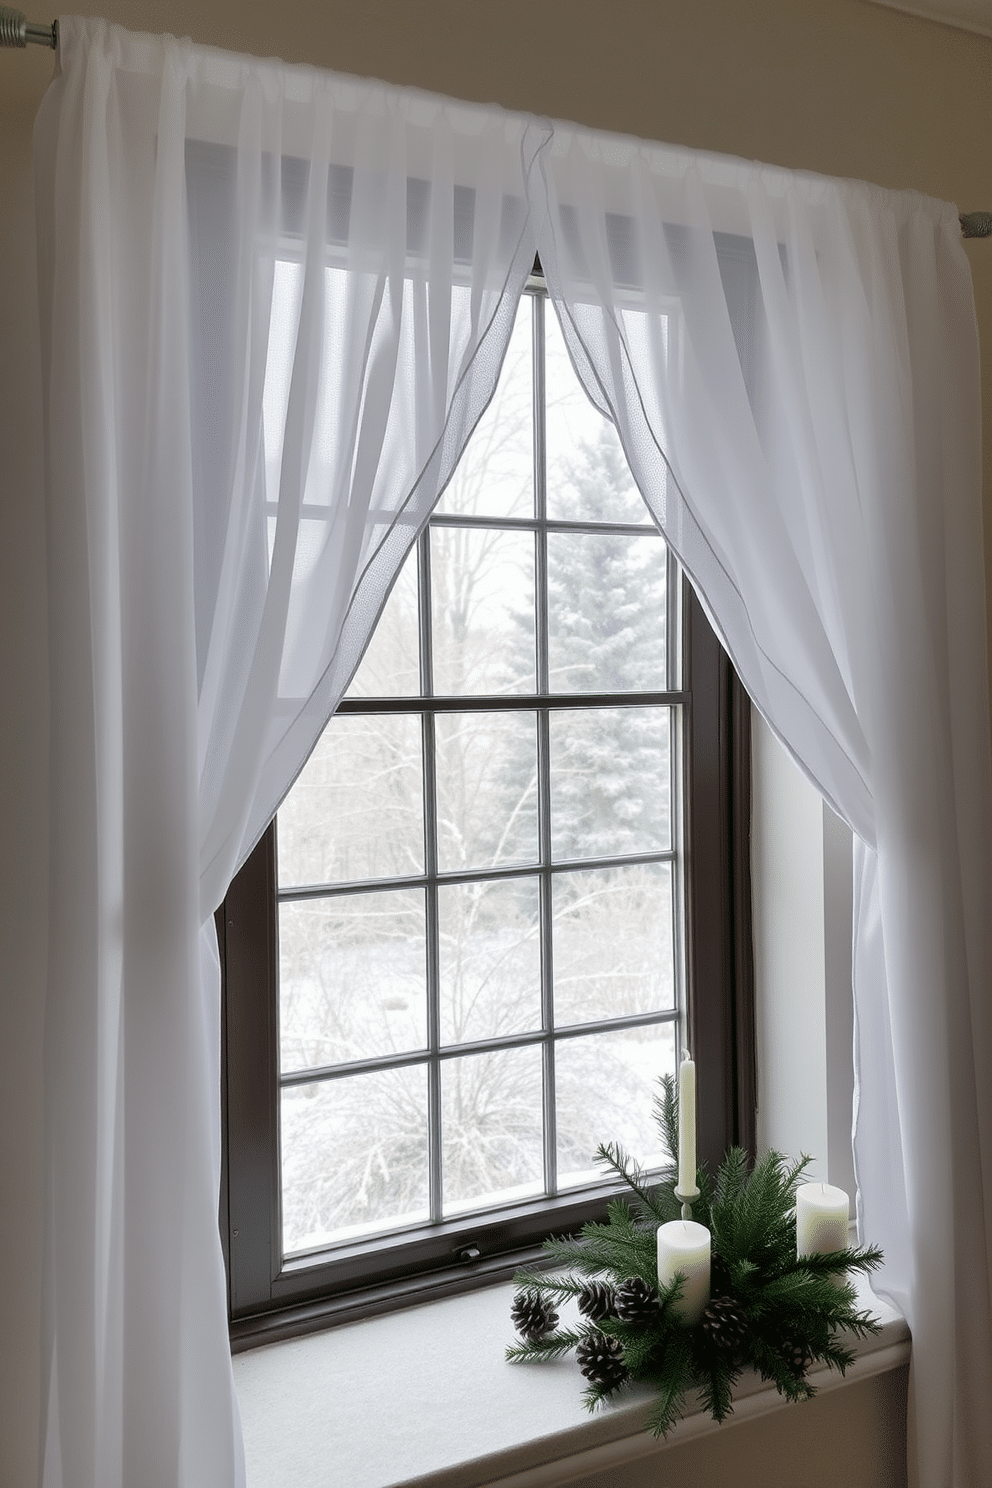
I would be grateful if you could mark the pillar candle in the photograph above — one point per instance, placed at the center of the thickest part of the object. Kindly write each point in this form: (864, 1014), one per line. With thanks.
(687, 1127)
(821, 1219)
(684, 1246)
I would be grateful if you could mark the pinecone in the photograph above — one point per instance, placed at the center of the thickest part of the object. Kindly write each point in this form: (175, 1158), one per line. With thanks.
(636, 1301)
(720, 1283)
(532, 1315)
(797, 1355)
(601, 1360)
(597, 1301)
(723, 1325)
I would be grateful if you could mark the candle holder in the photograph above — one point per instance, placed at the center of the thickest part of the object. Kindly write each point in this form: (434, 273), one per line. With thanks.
(657, 1304)
(686, 1200)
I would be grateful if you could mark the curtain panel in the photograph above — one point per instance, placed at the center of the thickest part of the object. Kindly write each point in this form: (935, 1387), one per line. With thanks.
(792, 366)
(275, 302)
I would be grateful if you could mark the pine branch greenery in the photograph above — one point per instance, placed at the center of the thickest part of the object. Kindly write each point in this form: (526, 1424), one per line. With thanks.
(657, 1203)
(540, 1350)
(770, 1311)
(666, 1114)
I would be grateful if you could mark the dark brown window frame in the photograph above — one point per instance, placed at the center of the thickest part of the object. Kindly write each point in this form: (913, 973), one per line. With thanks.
(269, 1299)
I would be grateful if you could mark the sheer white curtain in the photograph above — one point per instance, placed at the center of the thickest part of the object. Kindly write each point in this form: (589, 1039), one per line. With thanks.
(274, 304)
(792, 365)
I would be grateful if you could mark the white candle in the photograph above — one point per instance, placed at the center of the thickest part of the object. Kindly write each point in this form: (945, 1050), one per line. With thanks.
(821, 1219)
(684, 1246)
(687, 1127)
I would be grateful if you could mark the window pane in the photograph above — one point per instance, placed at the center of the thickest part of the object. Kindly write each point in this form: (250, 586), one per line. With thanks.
(357, 809)
(483, 611)
(486, 789)
(605, 1086)
(606, 612)
(610, 787)
(588, 476)
(391, 664)
(491, 1116)
(612, 942)
(352, 978)
(490, 959)
(495, 476)
(354, 1157)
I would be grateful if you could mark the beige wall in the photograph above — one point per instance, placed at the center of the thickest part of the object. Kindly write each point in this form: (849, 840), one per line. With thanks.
(23, 825)
(839, 86)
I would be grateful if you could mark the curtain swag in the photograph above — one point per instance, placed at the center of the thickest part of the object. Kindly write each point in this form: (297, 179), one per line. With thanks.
(275, 303)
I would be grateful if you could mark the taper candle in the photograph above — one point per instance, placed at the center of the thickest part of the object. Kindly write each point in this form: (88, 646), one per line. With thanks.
(684, 1246)
(687, 1127)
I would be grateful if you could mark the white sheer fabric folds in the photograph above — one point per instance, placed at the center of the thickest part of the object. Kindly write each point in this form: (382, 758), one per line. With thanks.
(792, 366)
(274, 304)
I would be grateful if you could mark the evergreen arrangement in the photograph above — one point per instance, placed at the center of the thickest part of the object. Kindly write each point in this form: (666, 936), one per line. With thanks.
(768, 1310)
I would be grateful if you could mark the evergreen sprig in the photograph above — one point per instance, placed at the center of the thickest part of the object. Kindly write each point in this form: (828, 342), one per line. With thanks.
(540, 1350)
(787, 1311)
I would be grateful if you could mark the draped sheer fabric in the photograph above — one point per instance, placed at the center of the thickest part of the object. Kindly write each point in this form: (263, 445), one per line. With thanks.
(792, 366)
(274, 304)
(277, 302)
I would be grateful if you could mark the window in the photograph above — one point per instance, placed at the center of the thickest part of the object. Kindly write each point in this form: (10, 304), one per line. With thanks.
(511, 875)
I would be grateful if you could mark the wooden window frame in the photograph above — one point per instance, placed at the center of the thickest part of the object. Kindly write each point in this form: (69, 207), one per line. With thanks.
(270, 1299)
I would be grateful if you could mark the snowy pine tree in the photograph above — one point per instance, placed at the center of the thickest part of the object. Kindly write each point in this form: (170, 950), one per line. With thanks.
(607, 633)
(606, 593)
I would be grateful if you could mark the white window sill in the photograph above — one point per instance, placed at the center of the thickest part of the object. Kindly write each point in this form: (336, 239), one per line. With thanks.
(425, 1396)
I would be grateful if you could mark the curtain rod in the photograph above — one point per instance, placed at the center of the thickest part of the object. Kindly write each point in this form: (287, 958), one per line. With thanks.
(17, 31)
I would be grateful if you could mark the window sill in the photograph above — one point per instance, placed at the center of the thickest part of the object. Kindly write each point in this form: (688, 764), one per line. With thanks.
(425, 1396)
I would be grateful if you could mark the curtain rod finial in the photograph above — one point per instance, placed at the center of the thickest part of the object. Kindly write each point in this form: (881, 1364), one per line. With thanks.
(17, 31)
(976, 224)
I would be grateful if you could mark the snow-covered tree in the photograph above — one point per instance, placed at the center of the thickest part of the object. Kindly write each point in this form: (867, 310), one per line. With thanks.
(606, 633)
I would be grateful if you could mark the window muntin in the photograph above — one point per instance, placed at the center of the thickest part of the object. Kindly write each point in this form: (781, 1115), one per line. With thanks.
(537, 1007)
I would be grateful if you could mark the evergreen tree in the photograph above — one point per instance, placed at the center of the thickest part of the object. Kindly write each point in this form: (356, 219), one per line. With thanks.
(607, 633)
(606, 593)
